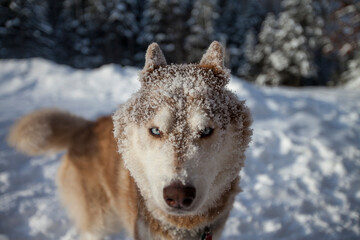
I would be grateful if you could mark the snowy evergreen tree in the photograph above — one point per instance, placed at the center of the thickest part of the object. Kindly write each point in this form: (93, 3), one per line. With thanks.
(164, 22)
(285, 49)
(96, 32)
(249, 24)
(342, 26)
(353, 69)
(23, 27)
(229, 32)
(201, 25)
(248, 49)
(74, 36)
(233, 24)
(229, 11)
(285, 52)
(118, 29)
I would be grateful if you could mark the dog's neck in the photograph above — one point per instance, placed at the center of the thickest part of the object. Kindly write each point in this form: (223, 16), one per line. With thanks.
(188, 227)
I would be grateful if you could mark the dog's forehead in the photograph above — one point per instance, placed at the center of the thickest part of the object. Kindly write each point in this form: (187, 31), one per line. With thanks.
(183, 86)
(198, 118)
(184, 89)
(194, 115)
(180, 77)
(163, 118)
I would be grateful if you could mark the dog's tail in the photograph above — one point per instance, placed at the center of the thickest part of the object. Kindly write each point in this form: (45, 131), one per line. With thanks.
(43, 131)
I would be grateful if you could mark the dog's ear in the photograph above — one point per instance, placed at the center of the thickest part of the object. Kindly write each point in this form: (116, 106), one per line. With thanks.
(214, 57)
(154, 58)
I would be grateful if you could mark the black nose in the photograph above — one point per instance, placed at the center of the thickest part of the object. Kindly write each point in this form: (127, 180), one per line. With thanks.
(179, 196)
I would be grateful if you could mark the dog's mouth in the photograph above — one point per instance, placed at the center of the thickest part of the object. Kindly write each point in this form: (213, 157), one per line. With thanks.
(179, 211)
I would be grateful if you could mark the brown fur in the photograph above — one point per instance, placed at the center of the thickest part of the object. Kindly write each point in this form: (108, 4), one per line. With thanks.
(44, 131)
(94, 162)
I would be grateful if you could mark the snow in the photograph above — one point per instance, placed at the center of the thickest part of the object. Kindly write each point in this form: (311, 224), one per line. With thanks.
(354, 83)
(301, 179)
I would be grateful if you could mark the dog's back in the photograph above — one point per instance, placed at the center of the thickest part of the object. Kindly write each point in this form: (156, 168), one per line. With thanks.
(92, 178)
(87, 178)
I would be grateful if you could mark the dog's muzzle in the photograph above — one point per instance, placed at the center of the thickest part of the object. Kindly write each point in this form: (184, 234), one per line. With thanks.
(179, 196)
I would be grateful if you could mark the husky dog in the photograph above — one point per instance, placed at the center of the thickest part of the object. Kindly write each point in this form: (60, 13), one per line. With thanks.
(164, 166)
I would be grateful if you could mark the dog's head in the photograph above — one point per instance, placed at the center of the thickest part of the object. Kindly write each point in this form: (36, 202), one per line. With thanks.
(183, 134)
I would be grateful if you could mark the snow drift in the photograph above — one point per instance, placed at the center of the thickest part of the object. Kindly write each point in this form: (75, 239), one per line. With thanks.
(301, 179)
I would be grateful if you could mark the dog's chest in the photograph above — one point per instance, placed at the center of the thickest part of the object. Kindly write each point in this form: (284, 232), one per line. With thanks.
(144, 231)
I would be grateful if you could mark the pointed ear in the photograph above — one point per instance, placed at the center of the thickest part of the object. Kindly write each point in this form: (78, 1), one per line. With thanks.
(154, 58)
(214, 57)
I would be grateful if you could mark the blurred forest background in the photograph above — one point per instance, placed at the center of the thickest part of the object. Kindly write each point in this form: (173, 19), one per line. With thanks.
(269, 42)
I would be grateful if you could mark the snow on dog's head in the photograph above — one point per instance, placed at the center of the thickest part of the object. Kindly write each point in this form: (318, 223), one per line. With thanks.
(183, 134)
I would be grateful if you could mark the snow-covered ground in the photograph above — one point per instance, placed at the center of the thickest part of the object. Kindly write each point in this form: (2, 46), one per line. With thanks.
(302, 174)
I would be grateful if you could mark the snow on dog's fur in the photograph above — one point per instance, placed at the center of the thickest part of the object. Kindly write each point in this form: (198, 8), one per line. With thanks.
(172, 170)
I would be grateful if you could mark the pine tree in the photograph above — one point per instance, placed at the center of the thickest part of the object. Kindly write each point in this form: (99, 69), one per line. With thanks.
(96, 32)
(235, 21)
(353, 69)
(248, 50)
(73, 35)
(285, 52)
(229, 32)
(229, 11)
(164, 22)
(118, 28)
(201, 25)
(248, 25)
(24, 31)
(342, 26)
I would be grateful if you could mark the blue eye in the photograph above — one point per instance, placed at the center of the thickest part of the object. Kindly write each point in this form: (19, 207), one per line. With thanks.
(206, 132)
(155, 131)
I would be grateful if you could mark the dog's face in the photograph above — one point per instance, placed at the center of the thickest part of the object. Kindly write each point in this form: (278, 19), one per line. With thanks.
(183, 135)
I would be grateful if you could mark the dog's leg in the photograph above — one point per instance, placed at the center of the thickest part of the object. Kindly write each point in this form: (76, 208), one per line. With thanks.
(81, 201)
